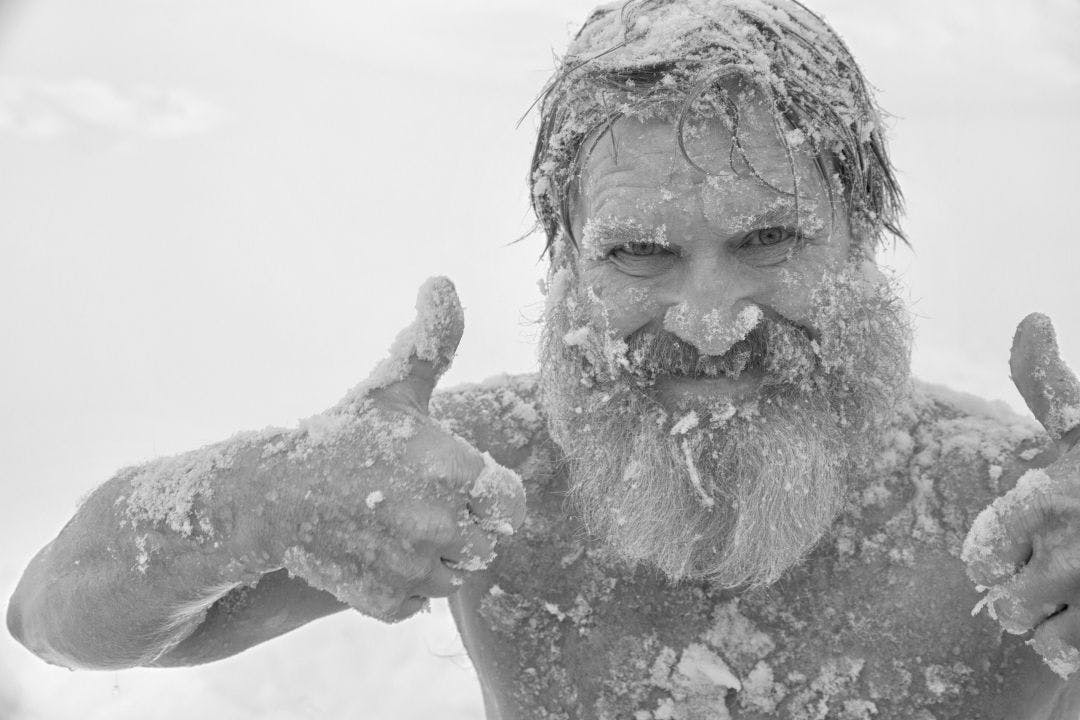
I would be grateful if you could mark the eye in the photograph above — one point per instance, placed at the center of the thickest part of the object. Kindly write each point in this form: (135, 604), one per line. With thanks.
(641, 258)
(639, 249)
(770, 237)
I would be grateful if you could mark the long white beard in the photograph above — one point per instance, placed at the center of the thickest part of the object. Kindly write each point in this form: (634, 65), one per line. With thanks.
(736, 500)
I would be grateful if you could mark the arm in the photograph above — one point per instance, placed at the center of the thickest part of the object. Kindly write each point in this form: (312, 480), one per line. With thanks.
(181, 560)
(248, 616)
(117, 588)
(1024, 549)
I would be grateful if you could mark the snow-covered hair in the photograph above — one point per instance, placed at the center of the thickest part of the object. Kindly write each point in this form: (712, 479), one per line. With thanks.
(636, 55)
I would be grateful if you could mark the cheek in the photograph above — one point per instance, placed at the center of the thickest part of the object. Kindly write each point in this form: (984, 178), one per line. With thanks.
(621, 303)
(796, 286)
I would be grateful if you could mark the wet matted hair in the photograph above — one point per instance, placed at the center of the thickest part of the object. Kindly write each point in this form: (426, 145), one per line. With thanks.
(632, 57)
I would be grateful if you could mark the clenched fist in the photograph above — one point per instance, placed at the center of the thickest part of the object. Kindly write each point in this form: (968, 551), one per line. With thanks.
(390, 508)
(1025, 548)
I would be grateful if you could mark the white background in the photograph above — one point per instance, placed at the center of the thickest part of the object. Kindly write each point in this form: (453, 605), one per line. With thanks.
(214, 216)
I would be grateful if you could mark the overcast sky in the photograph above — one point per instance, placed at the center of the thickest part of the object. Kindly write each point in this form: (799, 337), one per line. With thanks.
(215, 216)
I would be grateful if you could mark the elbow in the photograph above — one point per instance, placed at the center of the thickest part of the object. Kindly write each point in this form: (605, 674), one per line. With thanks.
(39, 629)
(20, 626)
(15, 620)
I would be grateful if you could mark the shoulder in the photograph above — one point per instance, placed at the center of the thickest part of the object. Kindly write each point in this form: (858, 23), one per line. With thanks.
(946, 456)
(968, 451)
(501, 415)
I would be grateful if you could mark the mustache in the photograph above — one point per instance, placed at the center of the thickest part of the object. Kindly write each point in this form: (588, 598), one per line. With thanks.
(651, 352)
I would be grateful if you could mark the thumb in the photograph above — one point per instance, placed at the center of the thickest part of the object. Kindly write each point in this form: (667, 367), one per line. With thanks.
(423, 351)
(1049, 388)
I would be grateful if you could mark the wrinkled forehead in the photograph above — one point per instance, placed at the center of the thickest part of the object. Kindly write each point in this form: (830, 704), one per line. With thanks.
(737, 147)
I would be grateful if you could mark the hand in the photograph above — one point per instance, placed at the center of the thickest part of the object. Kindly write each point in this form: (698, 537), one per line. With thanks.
(392, 508)
(1025, 547)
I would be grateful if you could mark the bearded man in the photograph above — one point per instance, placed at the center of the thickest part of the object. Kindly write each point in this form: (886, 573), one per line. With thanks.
(739, 505)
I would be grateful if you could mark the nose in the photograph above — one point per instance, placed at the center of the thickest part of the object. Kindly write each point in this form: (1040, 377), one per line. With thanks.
(713, 307)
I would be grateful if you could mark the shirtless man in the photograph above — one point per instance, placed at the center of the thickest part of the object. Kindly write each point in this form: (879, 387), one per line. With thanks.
(738, 504)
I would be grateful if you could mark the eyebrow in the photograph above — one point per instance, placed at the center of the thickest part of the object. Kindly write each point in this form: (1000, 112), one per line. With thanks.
(615, 231)
(780, 212)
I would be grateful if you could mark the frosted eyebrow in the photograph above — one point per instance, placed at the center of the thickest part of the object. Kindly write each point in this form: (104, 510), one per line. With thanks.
(612, 231)
(780, 213)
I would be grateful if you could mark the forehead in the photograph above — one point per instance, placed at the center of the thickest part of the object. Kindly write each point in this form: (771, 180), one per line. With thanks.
(723, 166)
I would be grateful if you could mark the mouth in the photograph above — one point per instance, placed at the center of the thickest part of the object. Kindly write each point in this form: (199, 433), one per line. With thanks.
(678, 390)
(655, 355)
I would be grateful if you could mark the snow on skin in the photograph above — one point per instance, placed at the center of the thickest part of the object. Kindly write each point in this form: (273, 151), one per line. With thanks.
(982, 548)
(714, 332)
(686, 423)
(438, 317)
(166, 490)
(503, 488)
(988, 533)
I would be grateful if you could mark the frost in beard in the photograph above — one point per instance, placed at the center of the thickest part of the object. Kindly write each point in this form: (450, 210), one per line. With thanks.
(736, 493)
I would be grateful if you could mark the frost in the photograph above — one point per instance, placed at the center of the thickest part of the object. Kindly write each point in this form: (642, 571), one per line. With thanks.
(166, 490)
(1063, 659)
(715, 332)
(700, 666)
(945, 681)
(504, 488)
(660, 675)
(988, 533)
(373, 499)
(686, 423)
(695, 476)
(142, 558)
(858, 710)
(736, 636)
(320, 431)
(760, 692)
(554, 610)
(577, 337)
(431, 337)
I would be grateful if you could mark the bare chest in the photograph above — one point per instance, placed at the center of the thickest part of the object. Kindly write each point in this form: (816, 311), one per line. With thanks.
(557, 630)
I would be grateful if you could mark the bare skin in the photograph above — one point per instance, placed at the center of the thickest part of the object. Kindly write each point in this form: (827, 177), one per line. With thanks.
(876, 623)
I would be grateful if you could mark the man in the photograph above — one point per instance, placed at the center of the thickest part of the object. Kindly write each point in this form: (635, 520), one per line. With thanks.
(737, 505)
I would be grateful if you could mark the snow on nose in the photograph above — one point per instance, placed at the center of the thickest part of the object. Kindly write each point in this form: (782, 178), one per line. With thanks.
(712, 332)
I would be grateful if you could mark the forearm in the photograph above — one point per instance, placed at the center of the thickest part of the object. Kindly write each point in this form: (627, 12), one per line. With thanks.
(132, 574)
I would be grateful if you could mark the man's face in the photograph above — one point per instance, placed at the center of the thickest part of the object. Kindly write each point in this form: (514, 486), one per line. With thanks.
(707, 361)
(665, 247)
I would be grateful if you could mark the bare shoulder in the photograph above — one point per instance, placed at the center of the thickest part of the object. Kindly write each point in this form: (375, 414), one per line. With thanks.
(897, 550)
(500, 415)
(958, 452)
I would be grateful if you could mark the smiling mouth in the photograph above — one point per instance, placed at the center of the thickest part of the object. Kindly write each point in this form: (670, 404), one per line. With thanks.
(678, 389)
(653, 355)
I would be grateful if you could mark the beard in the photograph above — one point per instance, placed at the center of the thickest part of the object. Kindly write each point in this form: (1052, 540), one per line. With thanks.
(732, 493)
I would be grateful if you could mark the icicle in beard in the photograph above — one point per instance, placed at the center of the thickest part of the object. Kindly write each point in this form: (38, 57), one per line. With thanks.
(745, 493)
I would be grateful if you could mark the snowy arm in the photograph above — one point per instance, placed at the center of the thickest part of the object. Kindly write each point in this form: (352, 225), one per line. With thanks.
(247, 616)
(135, 571)
(371, 501)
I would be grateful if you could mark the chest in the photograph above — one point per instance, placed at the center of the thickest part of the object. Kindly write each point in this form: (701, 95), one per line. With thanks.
(558, 630)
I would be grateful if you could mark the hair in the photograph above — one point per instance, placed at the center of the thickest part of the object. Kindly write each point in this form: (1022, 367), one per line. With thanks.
(633, 57)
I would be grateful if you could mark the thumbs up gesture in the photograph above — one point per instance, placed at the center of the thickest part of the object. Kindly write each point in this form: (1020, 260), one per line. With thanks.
(382, 506)
(1024, 549)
